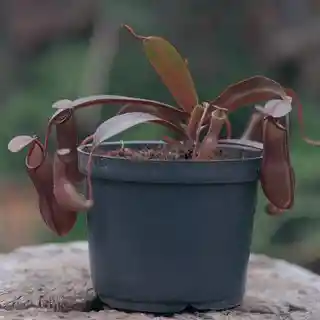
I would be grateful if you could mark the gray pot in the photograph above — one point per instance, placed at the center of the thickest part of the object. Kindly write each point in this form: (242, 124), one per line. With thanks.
(166, 235)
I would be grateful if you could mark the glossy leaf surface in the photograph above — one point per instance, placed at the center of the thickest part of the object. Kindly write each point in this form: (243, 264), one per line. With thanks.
(172, 69)
(109, 99)
(122, 122)
(248, 92)
(167, 113)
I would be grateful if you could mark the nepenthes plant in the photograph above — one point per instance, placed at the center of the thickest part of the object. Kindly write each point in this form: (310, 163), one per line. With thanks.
(197, 126)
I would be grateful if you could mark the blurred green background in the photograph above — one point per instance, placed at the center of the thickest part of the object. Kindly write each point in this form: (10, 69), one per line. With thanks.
(54, 49)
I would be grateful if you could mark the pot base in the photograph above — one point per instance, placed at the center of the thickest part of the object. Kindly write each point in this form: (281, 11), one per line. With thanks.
(169, 307)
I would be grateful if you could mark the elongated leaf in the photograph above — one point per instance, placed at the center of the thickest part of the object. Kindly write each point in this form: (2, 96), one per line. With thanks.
(167, 113)
(249, 91)
(122, 122)
(138, 102)
(173, 71)
(171, 68)
(109, 99)
(162, 110)
(19, 142)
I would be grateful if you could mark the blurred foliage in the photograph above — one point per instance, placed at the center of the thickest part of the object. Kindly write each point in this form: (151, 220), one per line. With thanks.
(57, 72)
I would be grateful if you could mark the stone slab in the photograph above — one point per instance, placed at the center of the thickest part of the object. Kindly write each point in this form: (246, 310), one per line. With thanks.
(52, 281)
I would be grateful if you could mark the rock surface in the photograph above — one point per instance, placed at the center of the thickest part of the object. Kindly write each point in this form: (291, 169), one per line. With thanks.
(52, 281)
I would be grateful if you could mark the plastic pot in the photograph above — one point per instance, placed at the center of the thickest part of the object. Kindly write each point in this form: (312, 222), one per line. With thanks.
(167, 235)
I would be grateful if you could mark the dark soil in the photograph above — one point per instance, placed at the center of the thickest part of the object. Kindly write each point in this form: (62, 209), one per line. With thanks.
(162, 152)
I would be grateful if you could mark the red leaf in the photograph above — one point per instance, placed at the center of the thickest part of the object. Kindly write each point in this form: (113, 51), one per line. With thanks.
(167, 113)
(107, 99)
(171, 68)
(248, 92)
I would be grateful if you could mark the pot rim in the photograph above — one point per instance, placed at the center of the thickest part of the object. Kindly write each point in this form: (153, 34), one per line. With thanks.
(245, 145)
(233, 170)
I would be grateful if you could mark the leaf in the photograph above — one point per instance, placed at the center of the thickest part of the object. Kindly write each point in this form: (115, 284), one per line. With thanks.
(19, 142)
(171, 68)
(113, 99)
(162, 110)
(167, 113)
(109, 99)
(122, 122)
(249, 91)
(276, 108)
